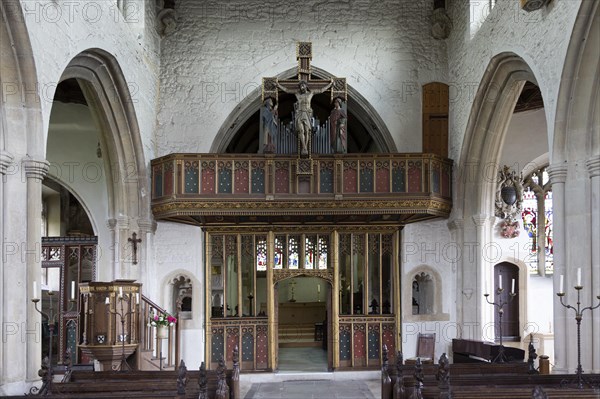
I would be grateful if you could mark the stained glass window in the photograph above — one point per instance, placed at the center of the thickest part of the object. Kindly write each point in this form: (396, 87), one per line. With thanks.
(537, 199)
(309, 251)
(293, 254)
(323, 247)
(261, 254)
(278, 255)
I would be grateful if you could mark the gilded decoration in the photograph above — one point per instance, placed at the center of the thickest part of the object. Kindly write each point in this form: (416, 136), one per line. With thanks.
(282, 274)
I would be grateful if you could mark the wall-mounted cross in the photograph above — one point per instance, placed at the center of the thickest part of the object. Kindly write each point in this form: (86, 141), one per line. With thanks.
(134, 240)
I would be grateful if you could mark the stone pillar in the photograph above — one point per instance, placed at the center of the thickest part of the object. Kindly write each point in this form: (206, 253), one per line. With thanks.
(593, 165)
(457, 229)
(147, 230)
(558, 177)
(112, 251)
(5, 160)
(35, 170)
(123, 249)
(478, 277)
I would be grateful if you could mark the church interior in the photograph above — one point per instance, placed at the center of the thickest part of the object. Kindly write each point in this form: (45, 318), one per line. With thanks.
(226, 193)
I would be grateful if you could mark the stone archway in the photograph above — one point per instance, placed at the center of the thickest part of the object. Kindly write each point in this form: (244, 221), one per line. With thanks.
(575, 174)
(22, 168)
(106, 91)
(358, 107)
(491, 113)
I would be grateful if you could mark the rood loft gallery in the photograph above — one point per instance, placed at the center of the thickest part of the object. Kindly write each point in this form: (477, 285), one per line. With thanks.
(302, 186)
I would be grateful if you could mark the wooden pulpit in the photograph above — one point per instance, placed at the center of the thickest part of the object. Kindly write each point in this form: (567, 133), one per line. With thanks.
(111, 319)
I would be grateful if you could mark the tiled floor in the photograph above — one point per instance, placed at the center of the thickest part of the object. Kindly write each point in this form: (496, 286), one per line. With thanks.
(308, 389)
(303, 374)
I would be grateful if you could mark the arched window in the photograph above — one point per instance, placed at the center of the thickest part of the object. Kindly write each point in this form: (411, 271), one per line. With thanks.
(537, 221)
(422, 294)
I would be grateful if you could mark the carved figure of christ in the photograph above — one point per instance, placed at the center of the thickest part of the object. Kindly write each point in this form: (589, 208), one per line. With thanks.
(303, 108)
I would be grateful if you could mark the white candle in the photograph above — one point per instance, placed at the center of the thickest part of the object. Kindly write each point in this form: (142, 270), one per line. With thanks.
(562, 284)
(513, 286)
(137, 298)
(107, 301)
(120, 292)
(318, 287)
(579, 277)
(500, 281)
(35, 295)
(72, 290)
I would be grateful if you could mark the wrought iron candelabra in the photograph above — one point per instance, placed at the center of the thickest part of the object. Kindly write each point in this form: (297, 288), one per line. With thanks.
(123, 313)
(46, 371)
(580, 381)
(499, 304)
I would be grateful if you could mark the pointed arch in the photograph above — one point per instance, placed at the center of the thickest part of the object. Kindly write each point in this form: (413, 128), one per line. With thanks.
(490, 116)
(358, 107)
(106, 90)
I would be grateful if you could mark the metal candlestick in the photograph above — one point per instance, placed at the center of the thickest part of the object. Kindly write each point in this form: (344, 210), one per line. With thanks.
(122, 313)
(578, 316)
(47, 371)
(500, 357)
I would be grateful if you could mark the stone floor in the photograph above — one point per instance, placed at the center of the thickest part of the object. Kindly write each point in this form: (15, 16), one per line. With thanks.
(303, 374)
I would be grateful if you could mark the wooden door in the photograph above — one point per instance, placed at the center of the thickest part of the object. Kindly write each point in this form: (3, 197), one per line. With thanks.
(510, 318)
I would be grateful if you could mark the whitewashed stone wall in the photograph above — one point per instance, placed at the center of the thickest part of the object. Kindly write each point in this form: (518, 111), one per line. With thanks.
(429, 246)
(540, 38)
(60, 30)
(220, 52)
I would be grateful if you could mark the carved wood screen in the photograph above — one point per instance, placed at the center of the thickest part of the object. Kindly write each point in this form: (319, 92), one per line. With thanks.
(66, 260)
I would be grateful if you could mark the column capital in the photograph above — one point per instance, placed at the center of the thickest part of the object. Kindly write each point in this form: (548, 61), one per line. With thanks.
(147, 225)
(111, 223)
(480, 219)
(557, 172)
(35, 168)
(593, 165)
(122, 222)
(5, 160)
(456, 224)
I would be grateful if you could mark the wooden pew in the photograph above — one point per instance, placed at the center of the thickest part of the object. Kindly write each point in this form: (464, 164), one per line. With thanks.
(421, 384)
(201, 384)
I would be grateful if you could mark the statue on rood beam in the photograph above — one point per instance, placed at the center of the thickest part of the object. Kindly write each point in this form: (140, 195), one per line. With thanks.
(268, 115)
(337, 129)
(304, 111)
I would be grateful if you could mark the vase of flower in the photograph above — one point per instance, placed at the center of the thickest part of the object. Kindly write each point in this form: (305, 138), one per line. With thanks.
(161, 321)
(162, 332)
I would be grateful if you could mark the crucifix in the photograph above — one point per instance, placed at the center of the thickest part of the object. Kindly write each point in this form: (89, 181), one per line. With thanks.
(304, 88)
(135, 241)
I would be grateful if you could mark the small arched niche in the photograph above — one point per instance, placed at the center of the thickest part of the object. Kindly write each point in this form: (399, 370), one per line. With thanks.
(422, 299)
(182, 296)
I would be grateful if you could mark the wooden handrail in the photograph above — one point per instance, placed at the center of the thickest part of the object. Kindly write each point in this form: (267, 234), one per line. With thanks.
(148, 339)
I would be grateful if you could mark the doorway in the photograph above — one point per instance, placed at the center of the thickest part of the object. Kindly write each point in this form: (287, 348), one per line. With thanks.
(302, 309)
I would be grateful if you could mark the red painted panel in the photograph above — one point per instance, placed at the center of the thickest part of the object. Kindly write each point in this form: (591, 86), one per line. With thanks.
(232, 342)
(282, 181)
(262, 347)
(387, 338)
(241, 183)
(208, 180)
(414, 177)
(168, 182)
(382, 180)
(350, 180)
(359, 345)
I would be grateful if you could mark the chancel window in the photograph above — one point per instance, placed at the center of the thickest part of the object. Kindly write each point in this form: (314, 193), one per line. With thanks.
(537, 222)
